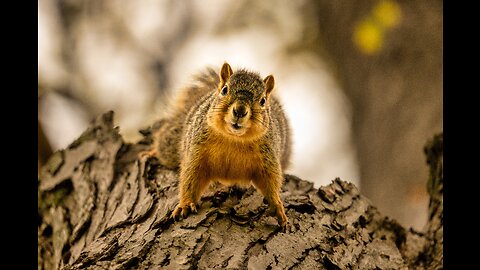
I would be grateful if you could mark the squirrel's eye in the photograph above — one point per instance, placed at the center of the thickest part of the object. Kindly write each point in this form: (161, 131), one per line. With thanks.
(262, 101)
(224, 90)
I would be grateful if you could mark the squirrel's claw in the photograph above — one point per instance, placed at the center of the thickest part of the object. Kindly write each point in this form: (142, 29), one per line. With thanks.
(183, 211)
(177, 213)
(193, 208)
(282, 220)
(279, 214)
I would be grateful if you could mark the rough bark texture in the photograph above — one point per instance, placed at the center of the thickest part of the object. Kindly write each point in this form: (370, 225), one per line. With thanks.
(102, 208)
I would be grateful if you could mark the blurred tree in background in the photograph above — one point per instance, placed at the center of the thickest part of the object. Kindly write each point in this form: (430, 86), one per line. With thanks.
(360, 80)
(393, 77)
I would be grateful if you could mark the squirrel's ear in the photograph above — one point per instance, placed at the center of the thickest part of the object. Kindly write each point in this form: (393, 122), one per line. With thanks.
(269, 84)
(226, 72)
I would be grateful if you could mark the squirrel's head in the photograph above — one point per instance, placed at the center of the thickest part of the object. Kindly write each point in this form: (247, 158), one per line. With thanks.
(241, 106)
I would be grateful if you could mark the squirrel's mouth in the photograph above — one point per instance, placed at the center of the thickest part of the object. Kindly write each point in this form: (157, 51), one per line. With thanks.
(236, 128)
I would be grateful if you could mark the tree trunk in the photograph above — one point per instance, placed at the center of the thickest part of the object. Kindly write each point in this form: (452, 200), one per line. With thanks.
(100, 207)
(395, 94)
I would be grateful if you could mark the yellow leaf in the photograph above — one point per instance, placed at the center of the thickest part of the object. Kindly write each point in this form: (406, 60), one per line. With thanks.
(368, 36)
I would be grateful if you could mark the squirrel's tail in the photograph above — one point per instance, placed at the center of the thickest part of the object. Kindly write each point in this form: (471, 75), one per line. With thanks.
(208, 80)
(203, 83)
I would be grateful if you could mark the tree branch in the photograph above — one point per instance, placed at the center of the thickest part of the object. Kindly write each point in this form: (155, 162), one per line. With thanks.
(100, 207)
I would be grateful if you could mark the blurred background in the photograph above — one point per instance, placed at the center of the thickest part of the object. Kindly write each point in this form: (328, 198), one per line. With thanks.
(361, 80)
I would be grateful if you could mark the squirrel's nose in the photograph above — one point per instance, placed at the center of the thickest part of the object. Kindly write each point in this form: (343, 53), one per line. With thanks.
(240, 111)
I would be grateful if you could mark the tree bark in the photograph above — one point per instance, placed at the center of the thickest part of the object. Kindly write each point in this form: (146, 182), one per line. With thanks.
(100, 207)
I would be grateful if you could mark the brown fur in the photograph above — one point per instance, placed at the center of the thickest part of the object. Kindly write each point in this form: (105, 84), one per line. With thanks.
(227, 137)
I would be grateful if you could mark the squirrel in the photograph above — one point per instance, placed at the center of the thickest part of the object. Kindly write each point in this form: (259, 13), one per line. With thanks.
(229, 128)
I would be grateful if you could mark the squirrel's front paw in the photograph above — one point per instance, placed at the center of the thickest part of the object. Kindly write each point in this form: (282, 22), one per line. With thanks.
(183, 210)
(282, 219)
(279, 213)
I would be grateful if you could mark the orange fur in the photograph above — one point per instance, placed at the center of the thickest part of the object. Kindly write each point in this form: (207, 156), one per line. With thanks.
(226, 128)
(229, 161)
